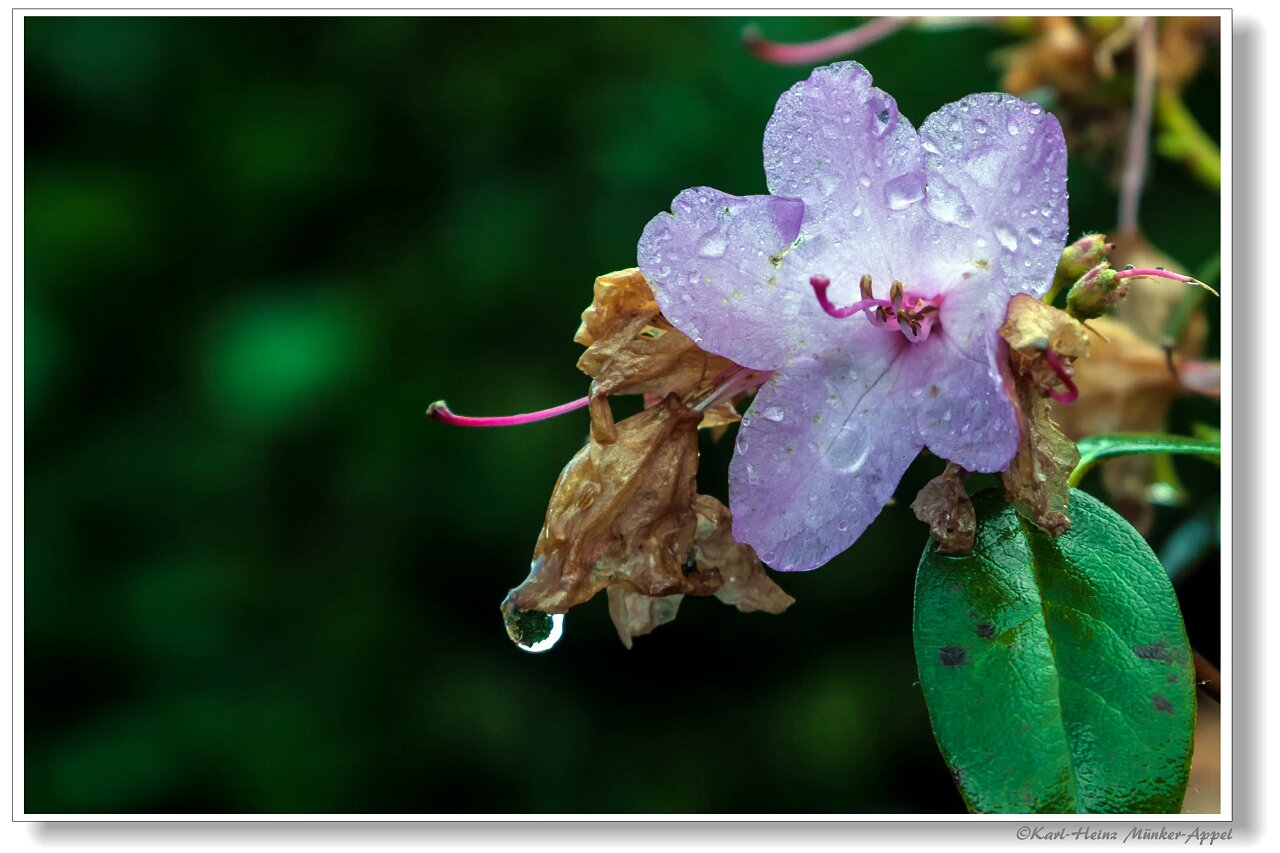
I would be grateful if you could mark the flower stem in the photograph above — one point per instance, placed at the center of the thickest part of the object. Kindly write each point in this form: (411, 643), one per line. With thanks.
(440, 412)
(814, 52)
(1135, 158)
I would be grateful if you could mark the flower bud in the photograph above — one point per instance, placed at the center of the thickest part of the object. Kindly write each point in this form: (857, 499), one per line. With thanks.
(1078, 258)
(1097, 291)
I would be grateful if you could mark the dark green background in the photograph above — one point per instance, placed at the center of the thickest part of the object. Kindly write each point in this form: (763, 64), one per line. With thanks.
(258, 581)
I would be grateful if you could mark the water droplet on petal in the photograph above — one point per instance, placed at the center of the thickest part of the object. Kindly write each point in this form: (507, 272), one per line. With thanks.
(865, 180)
(775, 414)
(1006, 238)
(713, 246)
(980, 126)
(882, 122)
(1013, 129)
(904, 190)
(1034, 235)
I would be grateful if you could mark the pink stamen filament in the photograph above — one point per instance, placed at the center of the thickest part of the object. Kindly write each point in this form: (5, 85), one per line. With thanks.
(1157, 272)
(814, 52)
(820, 283)
(440, 412)
(914, 314)
(1072, 392)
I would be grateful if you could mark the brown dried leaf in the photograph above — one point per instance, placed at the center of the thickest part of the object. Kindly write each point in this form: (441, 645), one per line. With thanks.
(944, 505)
(635, 614)
(624, 515)
(620, 513)
(1036, 481)
(732, 567)
(744, 582)
(1181, 48)
(1126, 385)
(632, 349)
(1032, 328)
(1058, 55)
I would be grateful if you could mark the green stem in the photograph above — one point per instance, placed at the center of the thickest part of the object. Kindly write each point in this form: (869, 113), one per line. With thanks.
(1182, 138)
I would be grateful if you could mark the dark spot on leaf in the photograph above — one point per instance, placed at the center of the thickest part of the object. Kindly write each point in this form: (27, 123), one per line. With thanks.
(1173, 678)
(951, 656)
(954, 587)
(986, 630)
(1161, 704)
(1155, 651)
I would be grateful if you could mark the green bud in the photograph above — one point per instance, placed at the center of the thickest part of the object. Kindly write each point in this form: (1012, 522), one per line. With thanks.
(1096, 292)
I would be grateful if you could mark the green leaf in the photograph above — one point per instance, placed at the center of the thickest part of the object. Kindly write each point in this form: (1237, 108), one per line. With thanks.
(1057, 673)
(1095, 448)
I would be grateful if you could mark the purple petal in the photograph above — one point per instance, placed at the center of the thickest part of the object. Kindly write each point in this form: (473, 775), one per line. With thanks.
(839, 144)
(966, 412)
(713, 266)
(997, 177)
(822, 448)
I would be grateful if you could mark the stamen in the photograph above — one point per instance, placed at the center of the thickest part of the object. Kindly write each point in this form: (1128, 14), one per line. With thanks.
(1161, 272)
(913, 314)
(820, 283)
(440, 412)
(876, 317)
(1072, 392)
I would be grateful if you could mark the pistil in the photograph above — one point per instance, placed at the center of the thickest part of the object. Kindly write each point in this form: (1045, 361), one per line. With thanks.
(440, 412)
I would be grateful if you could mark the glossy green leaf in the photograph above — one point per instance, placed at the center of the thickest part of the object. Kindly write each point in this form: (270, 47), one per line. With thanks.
(1095, 448)
(1056, 672)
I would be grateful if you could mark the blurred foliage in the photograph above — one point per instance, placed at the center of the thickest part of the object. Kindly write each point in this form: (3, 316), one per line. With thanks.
(258, 581)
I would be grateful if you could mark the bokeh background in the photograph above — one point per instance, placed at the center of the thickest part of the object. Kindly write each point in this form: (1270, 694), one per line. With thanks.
(257, 580)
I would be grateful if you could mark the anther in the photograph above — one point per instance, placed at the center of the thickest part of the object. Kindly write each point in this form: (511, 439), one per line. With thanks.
(874, 316)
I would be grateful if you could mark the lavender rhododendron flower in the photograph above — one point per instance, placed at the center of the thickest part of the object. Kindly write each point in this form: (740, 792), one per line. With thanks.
(871, 281)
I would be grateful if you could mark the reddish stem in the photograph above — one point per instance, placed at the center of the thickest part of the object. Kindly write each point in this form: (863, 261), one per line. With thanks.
(440, 412)
(814, 52)
(1072, 392)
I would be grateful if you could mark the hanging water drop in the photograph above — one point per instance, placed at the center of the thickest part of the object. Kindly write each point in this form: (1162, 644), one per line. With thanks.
(533, 630)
